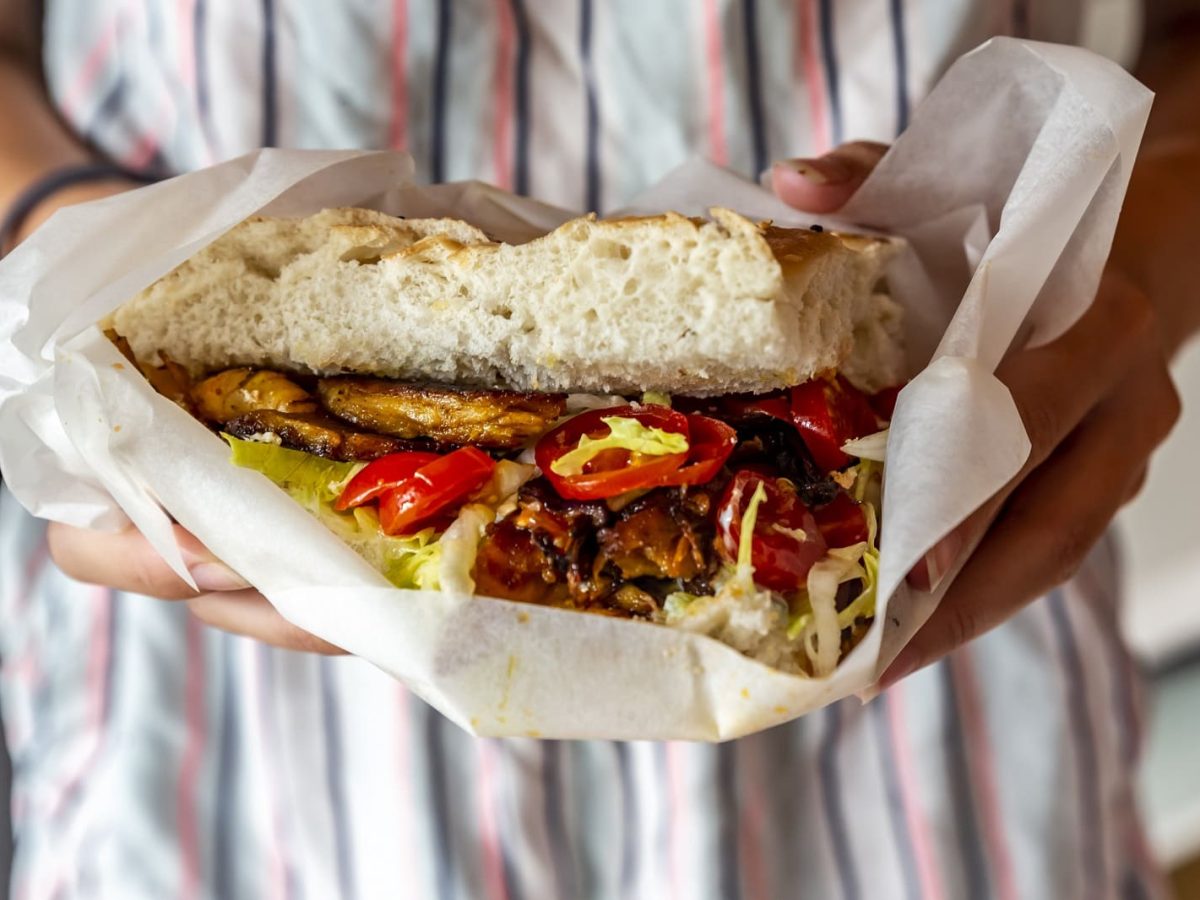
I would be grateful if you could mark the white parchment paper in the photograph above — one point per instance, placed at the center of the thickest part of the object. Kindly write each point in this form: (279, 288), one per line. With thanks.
(1007, 186)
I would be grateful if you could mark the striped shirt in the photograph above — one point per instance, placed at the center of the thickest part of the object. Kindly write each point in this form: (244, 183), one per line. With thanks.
(154, 757)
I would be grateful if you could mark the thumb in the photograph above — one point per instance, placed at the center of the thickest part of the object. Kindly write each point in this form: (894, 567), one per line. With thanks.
(823, 184)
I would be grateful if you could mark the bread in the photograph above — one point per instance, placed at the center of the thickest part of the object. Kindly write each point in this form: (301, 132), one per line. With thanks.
(662, 303)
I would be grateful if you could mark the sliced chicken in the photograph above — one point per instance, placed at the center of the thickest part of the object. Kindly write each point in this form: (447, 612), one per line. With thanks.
(496, 420)
(320, 435)
(223, 397)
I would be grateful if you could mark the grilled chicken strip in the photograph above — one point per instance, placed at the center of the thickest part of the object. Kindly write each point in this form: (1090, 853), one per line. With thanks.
(235, 392)
(321, 435)
(494, 420)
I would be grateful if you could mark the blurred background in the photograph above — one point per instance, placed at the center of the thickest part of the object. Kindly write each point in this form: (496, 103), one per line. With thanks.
(1162, 622)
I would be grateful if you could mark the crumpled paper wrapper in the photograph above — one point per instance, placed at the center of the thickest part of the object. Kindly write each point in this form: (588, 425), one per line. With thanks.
(1007, 187)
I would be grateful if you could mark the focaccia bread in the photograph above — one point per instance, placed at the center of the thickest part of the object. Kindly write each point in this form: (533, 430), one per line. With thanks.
(661, 303)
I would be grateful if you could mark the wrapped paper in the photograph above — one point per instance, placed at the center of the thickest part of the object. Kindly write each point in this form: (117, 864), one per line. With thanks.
(1007, 186)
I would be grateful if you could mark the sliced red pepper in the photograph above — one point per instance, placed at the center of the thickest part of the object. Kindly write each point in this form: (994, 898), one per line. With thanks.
(433, 489)
(743, 406)
(786, 541)
(843, 522)
(382, 475)
(613, 472)
(828, 413)
(710, 444)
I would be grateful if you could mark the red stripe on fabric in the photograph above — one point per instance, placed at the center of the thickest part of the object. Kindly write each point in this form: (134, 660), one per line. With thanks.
(398, 127)
(491, 862)
(676, 816)
(910, 792)
(185, 51)
(502, 98)
(808, 70)
(99, 652)
(89, 71)
(266, 749)
(189, 765)
(751, 829)
(714, 66)
(981, 763)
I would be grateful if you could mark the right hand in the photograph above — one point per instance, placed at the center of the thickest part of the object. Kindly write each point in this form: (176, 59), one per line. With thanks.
(126, 561)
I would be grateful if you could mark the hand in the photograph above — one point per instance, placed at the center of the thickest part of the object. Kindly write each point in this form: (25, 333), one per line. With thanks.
(126, 561)
(1096, 403)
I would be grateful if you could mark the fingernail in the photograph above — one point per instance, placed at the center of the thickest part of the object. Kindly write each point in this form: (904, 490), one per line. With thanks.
(821, 171)
(942, 558)
(215, 576)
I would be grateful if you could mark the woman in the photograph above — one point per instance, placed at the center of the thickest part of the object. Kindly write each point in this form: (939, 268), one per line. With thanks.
(158, 757)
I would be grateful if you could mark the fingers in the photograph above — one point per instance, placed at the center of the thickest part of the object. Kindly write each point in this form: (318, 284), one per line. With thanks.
(249, 613)
(1053, 518)
(1054, 387)
(126, 561)
(824, 184)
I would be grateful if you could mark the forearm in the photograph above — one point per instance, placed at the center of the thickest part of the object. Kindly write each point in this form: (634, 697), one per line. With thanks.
(37, 142)
(1156, 240)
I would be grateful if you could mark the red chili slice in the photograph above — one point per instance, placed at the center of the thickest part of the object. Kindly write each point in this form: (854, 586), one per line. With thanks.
(613, 472)
(786, 541)
(842, 522)
(433, 489)
(711, 441)
(827, 415)
(382, 475)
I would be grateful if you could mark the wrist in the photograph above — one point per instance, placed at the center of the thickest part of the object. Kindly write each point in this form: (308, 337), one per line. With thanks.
(1154, 243)
(57, 188)
(69, 196)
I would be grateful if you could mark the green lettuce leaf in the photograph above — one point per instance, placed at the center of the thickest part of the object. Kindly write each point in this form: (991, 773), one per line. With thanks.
(315, 483)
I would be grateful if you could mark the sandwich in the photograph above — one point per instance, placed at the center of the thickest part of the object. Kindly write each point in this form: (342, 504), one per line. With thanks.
(670, 420)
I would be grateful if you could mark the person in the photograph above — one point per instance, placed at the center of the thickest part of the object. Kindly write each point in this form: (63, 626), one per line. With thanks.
(154, 756)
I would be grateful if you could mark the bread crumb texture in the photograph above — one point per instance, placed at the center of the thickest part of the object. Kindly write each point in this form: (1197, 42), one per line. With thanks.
(663, 303)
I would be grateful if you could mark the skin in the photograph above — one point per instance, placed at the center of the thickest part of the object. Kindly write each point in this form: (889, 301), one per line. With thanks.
(1093, 427)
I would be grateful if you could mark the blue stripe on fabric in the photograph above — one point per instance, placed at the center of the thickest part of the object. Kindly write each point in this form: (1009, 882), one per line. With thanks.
(630, 837)
(728, 871)
(895, 801)
(970, 840)
(110, 104)
(900, 49)
(521, 110)
(223, 823)
(331, 724)
(1083, 741)
(592, 165)
(270, 87)
(200, 52)
(832, 801)
(437, 807)
(556, 832)
(830, 60)
(754, 101)
(441, 78)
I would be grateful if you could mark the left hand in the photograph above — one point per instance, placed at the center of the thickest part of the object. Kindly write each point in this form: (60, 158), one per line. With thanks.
(1096, 403)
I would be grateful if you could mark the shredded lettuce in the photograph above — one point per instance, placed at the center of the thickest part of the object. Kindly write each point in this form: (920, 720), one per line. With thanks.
(871, 446)
(817, 622)
(625, 433)
(746, 539)
(315, 483)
